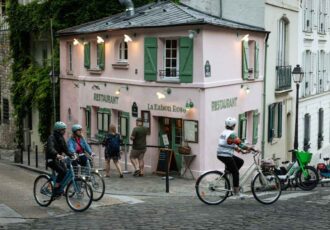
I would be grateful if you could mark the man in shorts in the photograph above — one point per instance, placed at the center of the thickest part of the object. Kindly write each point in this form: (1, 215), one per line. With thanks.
(139, 148)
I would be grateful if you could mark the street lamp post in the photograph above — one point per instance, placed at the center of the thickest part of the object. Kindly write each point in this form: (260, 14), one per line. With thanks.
(297, 75)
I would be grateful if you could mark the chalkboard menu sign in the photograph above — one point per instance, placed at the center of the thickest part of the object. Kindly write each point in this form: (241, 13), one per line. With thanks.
(161, 165)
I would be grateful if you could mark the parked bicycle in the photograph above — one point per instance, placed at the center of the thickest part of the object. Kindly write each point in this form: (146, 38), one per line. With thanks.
(78, 192)
(323, 169)
(299, 172)
(92, 176)
(214, 187)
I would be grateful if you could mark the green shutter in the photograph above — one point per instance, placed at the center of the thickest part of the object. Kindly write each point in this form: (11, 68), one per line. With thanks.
(87, 55)
(88, 120)
(186, 60)
(255, 127)
(270, 122)
(245, 64)
(101, 55)
(256, 61)
(242, 126)
(150, 59)
(280, 116)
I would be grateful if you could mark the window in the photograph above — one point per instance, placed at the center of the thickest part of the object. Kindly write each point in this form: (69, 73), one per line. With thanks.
(248, 125)
(100, 48)
(145, 115)
(69, 48)
(307, 131)
(321, 71)
(320, 130)
(308, 74)
(171, 59)
(88, 121)
(242, 125)
(103, 121)
(250, 62)
(5, 110)
(123, 126)
(274, 121)
(308, 15)
(123, 51)
(282, 42)
(322, 16)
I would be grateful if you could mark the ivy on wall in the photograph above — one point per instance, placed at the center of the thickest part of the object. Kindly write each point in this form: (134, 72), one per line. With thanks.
(31, 82)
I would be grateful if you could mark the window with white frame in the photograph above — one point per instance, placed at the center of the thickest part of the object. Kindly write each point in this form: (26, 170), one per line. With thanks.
(248, 125)
(282, 42)
(250, 62)
(323, 11)
(308, 74)
(321, 73)
(171, 59)
(123, 51)
(308, 15)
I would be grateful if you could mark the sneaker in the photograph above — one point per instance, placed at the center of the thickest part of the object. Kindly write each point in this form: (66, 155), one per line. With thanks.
(238, 196)
(136, 173)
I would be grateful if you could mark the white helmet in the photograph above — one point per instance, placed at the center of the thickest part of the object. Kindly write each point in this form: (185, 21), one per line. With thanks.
(230, 122)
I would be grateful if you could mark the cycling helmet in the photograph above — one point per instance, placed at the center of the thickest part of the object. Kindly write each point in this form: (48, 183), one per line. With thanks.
(230, 122)
(76, 127)
(59, 125)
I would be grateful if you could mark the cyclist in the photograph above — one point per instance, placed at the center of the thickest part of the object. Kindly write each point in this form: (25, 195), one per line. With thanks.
(229, 142)
(55, 150)
(77, 144)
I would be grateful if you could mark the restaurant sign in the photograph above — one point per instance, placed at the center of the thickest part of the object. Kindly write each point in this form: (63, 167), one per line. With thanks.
(224, 103)
(106, 98)
(168, 108)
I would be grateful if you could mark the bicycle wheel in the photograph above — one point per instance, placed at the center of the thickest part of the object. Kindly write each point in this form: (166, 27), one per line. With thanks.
(79, 197)
(309, 182)
(43, 190)
(212, 187)
(266, 188)
(97, 183)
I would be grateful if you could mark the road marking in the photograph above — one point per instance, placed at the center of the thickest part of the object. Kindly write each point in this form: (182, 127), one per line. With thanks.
(9, 216)
(295, 195)
(127, 199)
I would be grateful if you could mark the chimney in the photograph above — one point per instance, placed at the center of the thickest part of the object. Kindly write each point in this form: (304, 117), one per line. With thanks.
(129, 6)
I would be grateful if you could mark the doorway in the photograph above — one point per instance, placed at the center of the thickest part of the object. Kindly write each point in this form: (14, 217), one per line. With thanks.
(172, 127)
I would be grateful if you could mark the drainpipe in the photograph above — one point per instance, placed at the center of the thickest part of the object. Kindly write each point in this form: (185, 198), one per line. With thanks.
(129, 6)
(220, 15)
(264, 98)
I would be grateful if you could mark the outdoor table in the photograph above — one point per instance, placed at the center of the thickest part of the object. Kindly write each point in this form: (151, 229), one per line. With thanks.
(188, 159)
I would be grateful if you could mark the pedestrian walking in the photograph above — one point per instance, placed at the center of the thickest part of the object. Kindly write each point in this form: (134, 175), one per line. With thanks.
(112, 150)
(139, 147)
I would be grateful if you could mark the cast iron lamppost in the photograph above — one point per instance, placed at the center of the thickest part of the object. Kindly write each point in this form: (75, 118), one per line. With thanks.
(297, 75)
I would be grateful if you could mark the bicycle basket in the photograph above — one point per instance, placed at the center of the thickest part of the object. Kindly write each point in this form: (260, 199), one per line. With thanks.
(80, 171)
(267, 165)
(304, 157)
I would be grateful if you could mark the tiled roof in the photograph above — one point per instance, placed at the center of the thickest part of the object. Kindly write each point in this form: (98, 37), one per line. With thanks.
(160, 14)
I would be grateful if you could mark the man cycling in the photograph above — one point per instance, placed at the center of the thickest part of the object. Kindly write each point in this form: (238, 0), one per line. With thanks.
(229, 142)
(55, 150)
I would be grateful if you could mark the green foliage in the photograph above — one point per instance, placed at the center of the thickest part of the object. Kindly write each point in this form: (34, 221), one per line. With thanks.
(31, 83)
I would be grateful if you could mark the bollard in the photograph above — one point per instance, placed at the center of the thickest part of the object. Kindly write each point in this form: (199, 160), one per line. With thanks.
(126, 151)
(22, 154)
(36, 156)
(29, 154)
(167, 179)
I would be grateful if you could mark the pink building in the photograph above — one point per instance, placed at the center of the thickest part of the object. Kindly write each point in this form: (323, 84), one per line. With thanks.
(184, 72)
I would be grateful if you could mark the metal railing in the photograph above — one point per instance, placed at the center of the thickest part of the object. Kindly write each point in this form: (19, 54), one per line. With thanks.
(283, 78)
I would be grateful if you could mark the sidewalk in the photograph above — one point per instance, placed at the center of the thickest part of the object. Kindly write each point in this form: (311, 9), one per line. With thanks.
(149, 185)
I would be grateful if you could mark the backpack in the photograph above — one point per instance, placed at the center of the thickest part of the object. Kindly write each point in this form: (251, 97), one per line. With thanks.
(113, 143)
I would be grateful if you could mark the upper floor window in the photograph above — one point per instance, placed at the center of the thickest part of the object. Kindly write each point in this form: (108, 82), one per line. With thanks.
(308, 73)
(123, 51)
(282, 49)
(323, 11)
(250, 62)
(176, 63)
(308, 15)
(95, 50)
(321, 71)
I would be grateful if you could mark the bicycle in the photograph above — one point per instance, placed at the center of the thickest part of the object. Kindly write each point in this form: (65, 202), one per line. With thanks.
(78, 193)
(214, 187)
(92, 176)
(300, 173)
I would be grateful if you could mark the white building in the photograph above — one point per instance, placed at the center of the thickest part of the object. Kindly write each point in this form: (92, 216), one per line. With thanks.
(314, 56)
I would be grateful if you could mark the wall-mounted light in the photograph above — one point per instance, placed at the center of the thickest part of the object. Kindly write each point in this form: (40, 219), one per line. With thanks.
(246, 88)
(76, 42)
(192, 33)
(245, 38)
(127, 38)
(96, 87)
(189, 104)
(100, 40)
(162, 94)
(122, 87)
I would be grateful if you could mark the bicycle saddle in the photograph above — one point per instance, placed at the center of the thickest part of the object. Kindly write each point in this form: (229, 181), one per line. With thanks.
(285, 162)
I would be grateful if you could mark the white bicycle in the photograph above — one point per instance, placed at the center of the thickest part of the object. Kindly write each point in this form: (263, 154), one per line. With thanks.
(214, 187)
